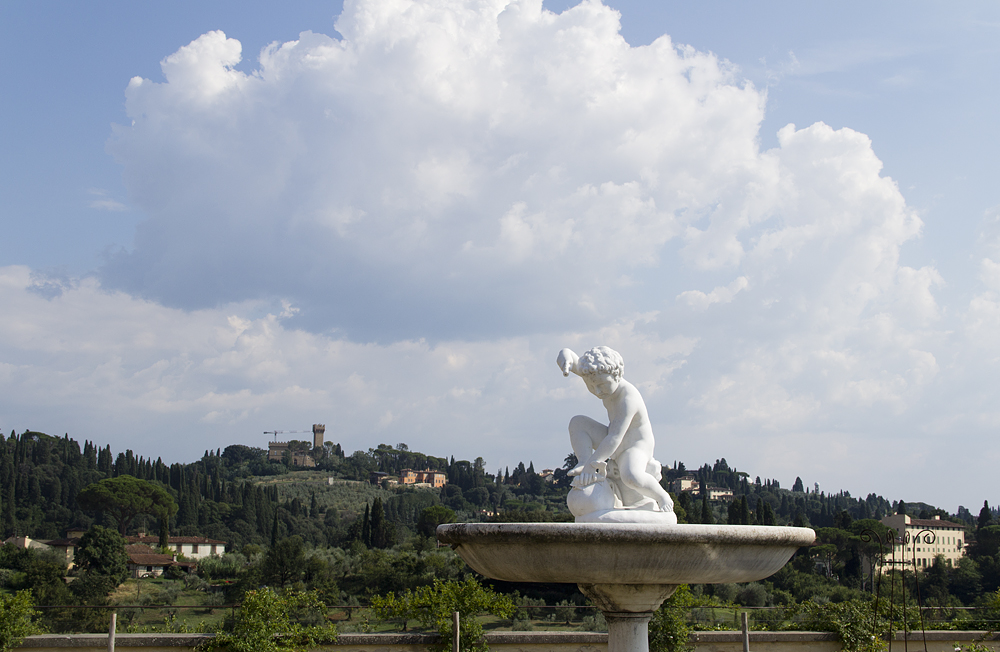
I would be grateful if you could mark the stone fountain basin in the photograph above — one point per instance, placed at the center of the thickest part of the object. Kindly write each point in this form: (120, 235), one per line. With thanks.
(618, 553)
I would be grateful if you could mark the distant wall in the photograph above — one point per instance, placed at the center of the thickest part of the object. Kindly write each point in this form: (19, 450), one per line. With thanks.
(937, 641)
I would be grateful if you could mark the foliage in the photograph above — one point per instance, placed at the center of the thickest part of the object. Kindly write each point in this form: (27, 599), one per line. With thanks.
(101, 552)
(669, 630)
(432, 517)
(854, 621)
(125, 497)
(434, 605)
(16, 613)
(269, 622)
(40, 571)
(975, 646)
(284, 562)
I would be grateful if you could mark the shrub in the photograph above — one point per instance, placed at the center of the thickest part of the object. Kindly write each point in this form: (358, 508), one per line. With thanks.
(16, 612)
(434, 605)
(669, 630)
(269, 622)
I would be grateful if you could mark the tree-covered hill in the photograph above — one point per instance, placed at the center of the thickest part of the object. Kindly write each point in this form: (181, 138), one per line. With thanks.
(360, 538)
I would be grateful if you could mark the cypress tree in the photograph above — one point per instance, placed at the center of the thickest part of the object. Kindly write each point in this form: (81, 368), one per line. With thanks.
(706, 513)
(985, 516)
(744, 511)
(366, 528)
(165, 531)
(379, 528)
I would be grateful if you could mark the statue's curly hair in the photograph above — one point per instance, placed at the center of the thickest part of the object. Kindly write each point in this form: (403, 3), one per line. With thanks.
(601, 360)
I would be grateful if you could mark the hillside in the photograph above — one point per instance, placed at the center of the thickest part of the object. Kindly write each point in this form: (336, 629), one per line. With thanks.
(362, 539)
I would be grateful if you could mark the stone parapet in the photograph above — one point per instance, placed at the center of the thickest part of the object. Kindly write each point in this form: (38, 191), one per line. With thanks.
(937, 641)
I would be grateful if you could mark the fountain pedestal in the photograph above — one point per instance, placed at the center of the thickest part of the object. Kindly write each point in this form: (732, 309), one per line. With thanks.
(627, 570)
(627, 609)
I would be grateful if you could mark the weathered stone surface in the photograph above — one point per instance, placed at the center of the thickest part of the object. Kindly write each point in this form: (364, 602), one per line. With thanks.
(620, 553)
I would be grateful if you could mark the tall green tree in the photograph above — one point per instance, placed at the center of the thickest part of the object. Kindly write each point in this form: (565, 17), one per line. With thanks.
(101, 552)
(985, 516)
(285, 562)
(125, 497)
(382, 531)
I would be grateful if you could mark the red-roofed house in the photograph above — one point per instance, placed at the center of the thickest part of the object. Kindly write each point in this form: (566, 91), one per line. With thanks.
(144, 562)
(190, 547)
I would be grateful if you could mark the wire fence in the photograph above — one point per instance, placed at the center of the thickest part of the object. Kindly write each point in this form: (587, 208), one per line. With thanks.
(73, 619)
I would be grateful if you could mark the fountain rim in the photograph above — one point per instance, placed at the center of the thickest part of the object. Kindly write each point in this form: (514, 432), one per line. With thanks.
(686, 533)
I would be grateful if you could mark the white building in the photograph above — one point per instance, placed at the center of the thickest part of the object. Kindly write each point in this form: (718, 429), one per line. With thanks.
(948, 539)
(190, 547)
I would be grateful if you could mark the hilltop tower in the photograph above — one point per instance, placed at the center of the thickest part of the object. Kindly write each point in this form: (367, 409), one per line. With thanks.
(318, 430)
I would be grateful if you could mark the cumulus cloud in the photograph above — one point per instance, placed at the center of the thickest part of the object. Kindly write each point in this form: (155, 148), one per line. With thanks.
(384, 180)
(398, 227)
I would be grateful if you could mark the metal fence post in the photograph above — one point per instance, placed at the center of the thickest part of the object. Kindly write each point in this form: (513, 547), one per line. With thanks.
(455, 644)
(111, 631)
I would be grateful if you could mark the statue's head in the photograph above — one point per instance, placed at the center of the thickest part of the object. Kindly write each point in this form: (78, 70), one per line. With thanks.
(601, 360)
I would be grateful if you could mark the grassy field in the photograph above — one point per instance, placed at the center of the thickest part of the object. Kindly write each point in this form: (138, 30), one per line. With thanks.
(343, 495)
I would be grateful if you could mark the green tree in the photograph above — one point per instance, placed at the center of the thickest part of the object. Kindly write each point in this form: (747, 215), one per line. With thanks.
(985, 516)
(669, 630)
(44, 574)
(125, 497)
(164, 541)
(101, 552)
(434, 605)
(987, 541)
(432, 517)
(382, 531)
(284, 562)
(270, 622)
(16, 612)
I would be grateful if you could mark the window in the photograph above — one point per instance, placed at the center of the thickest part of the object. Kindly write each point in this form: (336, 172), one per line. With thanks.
(194, 549)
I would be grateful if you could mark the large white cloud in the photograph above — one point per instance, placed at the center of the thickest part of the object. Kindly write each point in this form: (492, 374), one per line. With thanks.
(445, 167)
(451, 191)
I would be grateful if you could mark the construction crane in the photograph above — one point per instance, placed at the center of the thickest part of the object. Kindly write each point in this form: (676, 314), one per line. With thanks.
(285, 432)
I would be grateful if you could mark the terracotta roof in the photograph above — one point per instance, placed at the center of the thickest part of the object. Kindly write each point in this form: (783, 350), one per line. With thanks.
(151, 559)
(141, 555)
(65, 543)
(174, 540)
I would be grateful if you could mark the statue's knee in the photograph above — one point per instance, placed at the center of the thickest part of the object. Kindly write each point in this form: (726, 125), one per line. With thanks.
(578, 423)
(629, 478)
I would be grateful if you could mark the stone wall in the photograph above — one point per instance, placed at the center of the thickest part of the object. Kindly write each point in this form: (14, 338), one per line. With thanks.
(937, 641)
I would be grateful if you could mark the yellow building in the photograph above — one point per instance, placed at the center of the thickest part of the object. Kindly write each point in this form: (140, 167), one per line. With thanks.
(948, 539)
(433, 478)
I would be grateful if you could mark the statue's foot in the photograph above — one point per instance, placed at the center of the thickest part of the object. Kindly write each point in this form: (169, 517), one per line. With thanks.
(647, 504)
(629, 516)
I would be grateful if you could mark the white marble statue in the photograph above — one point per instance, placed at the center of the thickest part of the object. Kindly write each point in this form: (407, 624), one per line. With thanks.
(617, 479)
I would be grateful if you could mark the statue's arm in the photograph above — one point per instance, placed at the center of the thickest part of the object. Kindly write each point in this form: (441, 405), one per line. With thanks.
(567, 362)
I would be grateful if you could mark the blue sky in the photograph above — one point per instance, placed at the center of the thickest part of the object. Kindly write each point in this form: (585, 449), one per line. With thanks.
(394, 229)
